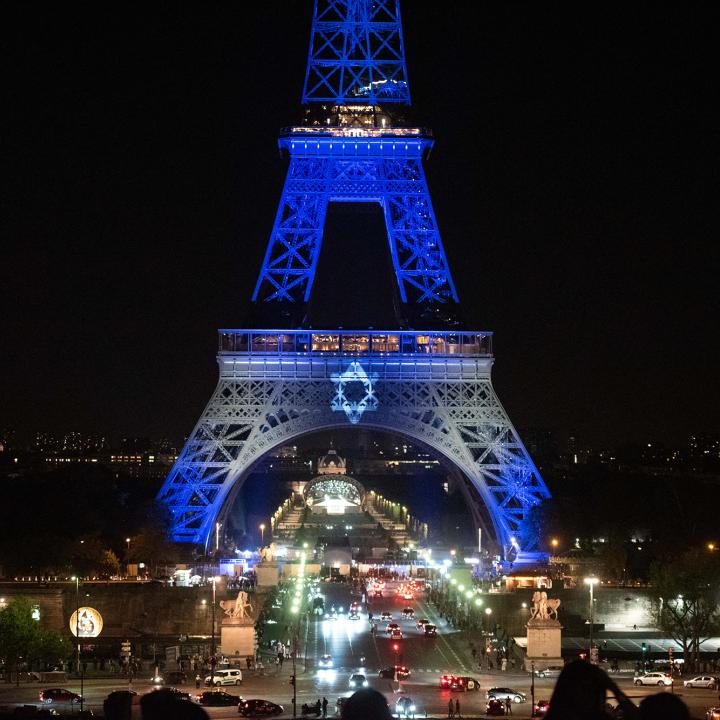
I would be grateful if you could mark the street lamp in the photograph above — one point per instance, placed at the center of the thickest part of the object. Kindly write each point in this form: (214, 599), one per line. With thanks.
(213, 659)
(591, 582)
(554, 542)
(262, 533)
(81, 672)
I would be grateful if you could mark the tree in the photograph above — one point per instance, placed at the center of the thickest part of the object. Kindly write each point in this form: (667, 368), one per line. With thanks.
(109, 564)
(686, 600)
(24, 641)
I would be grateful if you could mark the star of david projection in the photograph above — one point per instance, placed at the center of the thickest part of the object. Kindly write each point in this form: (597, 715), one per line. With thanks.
(354, 392)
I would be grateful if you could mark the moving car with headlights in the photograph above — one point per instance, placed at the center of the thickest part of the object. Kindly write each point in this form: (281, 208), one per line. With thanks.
(358, 680)
(224, 677)
(396, 634)
(385, 615)
(502, 693)
(59, 695)
(420, 624)
(405, 707)
(408, 613)
(259, 708)
(654, 678)
(430, 630)
(399, 672)
(325, 661)
(549, 672)
(702, 681)
(390, 627)
(218, 698)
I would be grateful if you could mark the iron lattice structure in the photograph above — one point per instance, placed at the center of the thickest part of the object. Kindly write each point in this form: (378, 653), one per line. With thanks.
(277, 385)
(356, 53)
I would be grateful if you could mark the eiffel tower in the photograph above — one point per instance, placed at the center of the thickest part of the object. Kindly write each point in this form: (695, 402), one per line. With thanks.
(427, 379)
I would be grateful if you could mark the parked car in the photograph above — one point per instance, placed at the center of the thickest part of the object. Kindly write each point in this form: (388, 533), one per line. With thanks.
(446, 681)
(549, 672)
(259, 708)
(390, 627)
(224, 677)
(500, 693)
(702, 681)
(58, 695)
(654, 678)
(218, 698)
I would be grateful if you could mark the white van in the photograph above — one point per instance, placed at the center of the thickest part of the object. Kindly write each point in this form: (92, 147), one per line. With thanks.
(224, 677)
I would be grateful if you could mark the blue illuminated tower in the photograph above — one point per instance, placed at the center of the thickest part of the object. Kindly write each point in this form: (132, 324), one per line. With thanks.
(433, 386)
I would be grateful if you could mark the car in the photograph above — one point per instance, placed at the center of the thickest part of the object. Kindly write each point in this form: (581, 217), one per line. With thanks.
(405, 707)
(446, 681)
(654, 678)
(58, 695)
(358, 680)
(120, 697)
(463, 684)
(390, 627)
(501, 693)
(218, 698)
(177, 694)
(325, 661)
(232, 676)
(408, 596)
(408, 613)
(430, 630)
(495, 707)
(702, 681)
(396, 634)
(176, 677)
(259, 708)
(419, 624)
(549, 672)
(377, 594)
(541, 708)
(353, 616)
(399, 671)
(385, 615)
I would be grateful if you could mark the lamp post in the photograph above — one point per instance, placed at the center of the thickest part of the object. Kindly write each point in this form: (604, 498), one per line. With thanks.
(591, 582)
(127, 540)
(262, 533)
(213, 659)
(80, 670)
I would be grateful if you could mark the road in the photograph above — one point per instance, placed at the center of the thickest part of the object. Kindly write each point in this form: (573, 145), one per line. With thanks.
(347, 641)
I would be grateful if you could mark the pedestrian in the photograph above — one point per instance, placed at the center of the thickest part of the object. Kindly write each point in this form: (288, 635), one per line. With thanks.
(248, 662)
(504, 664)
(197, 682)
(451, 709)
(508, 706)
(324, 706)
(457, 709)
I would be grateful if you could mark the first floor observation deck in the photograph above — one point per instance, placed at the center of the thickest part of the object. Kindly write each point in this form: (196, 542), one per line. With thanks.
(391, 353)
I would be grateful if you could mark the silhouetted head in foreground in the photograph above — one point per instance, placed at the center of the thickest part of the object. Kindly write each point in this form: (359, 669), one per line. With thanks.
(366, 704)
(163, 705)
(664, 706)
(580, 693)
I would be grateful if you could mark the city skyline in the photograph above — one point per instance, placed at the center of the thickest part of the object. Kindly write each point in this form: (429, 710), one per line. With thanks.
(568, 167)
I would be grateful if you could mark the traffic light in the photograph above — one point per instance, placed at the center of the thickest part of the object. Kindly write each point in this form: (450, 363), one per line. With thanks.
(292, 679)
(644, 648)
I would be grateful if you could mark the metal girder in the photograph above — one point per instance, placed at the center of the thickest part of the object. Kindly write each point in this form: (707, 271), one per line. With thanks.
(356, 53)
(391, 174)
(251, 412)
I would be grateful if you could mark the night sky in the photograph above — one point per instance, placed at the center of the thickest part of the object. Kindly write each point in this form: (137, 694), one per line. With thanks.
(574, 179)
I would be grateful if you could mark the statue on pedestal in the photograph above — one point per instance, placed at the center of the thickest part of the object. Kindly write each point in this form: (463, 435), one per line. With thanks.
(267, 554)
(237, 608)
(544, 608)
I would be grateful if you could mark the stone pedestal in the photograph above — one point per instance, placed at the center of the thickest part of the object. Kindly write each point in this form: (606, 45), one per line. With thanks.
(237, 637)
(544, 644)
(267, 573)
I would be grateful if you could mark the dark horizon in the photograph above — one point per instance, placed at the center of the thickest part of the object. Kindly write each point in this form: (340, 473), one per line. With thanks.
(571, 178)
